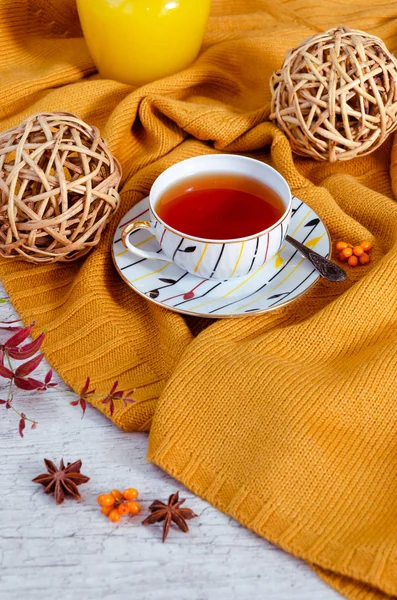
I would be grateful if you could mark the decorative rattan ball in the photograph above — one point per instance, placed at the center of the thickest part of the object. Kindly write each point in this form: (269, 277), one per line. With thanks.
(335, 96)
(58, 188)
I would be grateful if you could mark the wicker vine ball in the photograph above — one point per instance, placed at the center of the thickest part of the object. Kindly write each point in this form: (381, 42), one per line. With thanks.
(58, 188)
(335, 96)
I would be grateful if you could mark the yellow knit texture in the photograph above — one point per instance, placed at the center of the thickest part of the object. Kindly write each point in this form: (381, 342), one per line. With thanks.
(286, 421)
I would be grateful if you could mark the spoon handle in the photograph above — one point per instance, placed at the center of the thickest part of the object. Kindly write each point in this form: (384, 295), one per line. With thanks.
(325, 267)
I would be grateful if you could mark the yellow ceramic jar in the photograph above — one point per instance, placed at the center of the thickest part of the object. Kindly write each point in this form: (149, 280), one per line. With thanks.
(138, 41)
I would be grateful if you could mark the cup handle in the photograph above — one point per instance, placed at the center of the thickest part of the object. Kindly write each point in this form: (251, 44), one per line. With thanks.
(128, 229)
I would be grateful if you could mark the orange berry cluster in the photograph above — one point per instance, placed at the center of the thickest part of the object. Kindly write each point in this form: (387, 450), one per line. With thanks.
(354, 255)
(117, 504)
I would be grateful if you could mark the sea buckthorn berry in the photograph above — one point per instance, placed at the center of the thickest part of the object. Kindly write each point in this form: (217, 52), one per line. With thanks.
(358, 250)
(342, 258)
(341, 245)
(347, 252)
(353, 261)
(130, 494)
(117, 495)
(123, 509)
(366, 246)
(105, 500)
(133, 507)
(114, 515)
(106, 510)
(364, 259)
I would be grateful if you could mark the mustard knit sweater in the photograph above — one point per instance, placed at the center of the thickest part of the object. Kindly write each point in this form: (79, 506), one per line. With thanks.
(285, 421)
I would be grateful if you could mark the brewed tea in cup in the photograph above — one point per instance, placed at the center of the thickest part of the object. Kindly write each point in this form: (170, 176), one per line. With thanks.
(216, 216)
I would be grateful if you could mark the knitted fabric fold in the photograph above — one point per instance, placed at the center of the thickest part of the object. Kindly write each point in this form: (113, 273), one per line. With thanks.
(286, 421)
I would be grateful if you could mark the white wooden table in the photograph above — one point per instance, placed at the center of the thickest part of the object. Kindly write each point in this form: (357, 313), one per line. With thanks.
(72, 551)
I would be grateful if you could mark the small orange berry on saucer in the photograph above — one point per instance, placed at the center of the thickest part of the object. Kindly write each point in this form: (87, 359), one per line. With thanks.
(341, 245)
(358, 250)
(105, 500)
(346, 252)
(130, 494)
(366, 246)
(133, 507)
(117, 495)
(353, 261)
(342, 258)
(114, 516)
(364, 259)
(123, 509)
(105, 510)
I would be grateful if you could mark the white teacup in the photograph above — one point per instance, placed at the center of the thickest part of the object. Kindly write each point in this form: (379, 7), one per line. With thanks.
(206, 258)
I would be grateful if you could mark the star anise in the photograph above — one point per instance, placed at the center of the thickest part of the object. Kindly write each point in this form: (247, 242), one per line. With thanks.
(62, 481)
(171, 512)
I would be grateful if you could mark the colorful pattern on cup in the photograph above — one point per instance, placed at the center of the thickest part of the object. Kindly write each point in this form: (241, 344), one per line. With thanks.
(214, 259)
(217, 260)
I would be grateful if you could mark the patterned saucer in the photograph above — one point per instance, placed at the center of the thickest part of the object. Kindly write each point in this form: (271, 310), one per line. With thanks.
(280, 281)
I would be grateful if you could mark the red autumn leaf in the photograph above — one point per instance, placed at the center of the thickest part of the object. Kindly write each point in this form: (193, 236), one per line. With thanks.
(128, 401)
(47, 381)
(28, 350)
(29, 366)
(7, 402)
(81, 402)
(84, 389)
(35, 382)
(9, 325)
(21, 426)
(4, 372)
(111, 405)
(28, 384)
(116, 395)
(84, 394)
(113, 388)
(109, 398)
(188, 296)
(19, 337)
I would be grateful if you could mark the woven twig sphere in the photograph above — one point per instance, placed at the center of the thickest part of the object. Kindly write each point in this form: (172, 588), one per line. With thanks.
(335, 96)
(58, 188)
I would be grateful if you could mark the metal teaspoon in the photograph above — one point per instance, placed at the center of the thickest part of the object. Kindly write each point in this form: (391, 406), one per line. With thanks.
(325, 267)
